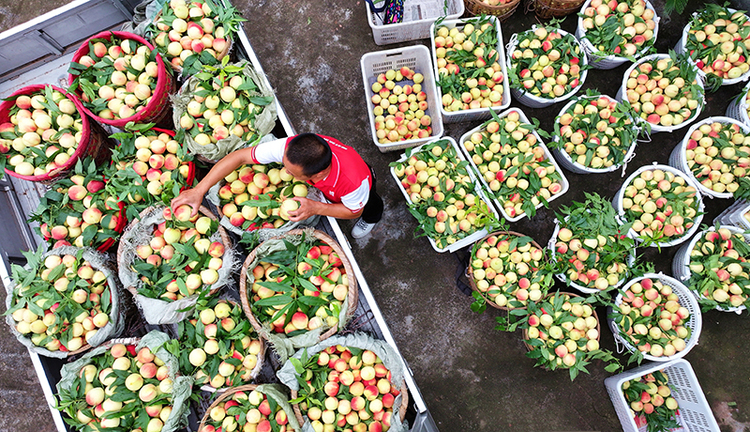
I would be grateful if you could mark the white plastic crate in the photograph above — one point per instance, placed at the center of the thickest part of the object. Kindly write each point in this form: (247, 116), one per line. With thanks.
(418, 17)
(472, 114)
(678, 157)
(474, 237)
(617, 201)
(733, 213)
(686, 300)
(737, 108)
(694, 412)
(417, 58)
(621, 96)
(523, 119)
(681, 263)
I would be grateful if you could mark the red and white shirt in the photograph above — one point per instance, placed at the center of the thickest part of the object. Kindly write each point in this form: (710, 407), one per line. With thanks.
(349, 181)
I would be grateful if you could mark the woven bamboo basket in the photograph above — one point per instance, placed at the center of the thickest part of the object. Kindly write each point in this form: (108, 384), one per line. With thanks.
(501, 11)
(401, 409)
(473, 283)
(529, 348)
(223, 397)
(352, 295)
(546, 9)
(225, 240)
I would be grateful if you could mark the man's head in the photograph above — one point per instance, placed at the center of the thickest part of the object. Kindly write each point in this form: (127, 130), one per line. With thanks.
(307, 155)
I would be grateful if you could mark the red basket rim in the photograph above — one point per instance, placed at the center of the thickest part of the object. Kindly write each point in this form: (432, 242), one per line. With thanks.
(85, 130)
(161, 76)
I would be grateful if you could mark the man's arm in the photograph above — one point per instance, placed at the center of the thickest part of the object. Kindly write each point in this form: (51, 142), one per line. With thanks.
(267, 152)
(309, 208)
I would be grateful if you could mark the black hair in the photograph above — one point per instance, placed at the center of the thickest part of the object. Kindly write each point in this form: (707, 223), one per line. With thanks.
(309, 151)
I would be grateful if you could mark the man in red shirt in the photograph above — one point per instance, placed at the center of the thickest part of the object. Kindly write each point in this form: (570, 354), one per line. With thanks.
(337, 170)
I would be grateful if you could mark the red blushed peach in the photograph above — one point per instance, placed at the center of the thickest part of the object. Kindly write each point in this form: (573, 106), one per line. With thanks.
(141, 168)
(182, 213)
(152, 174)
(314, 252)
(388, 400)
(323, 358)
(371, 393)
(264, 408)
(118, 350)
(340, 292)
(95, 396)
(299, 320)
(77, 193)
(219, 44)
(237, 219)
(341, 365)
(153, 410)
(100, 50)
(358, 403)
(380, 370)
(156, 161)
(216, 249)
(346, 378)
(281, 418)
(94, 186)
(148, 370)
(367, 373)
(263, 426)
(171, 162)
(384, 386)
(356, 388)
(331, 388)
(59, 232)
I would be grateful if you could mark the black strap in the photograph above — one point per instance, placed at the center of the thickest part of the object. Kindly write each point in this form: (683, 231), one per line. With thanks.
(375, 9)
(463, 262)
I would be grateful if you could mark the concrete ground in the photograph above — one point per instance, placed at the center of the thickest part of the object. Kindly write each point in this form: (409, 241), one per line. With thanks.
(472, 377)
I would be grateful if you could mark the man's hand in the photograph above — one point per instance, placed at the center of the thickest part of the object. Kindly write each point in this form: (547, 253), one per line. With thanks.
(191, 197)
(307, 208)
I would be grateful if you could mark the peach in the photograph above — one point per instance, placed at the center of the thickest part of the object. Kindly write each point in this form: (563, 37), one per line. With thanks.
(77, 193)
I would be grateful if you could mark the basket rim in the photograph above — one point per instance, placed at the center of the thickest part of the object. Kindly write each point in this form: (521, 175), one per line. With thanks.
(221, 398)
(696, 317)
(352, 293)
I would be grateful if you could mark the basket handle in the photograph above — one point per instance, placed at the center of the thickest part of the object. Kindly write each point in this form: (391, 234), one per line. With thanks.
(377, 9)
